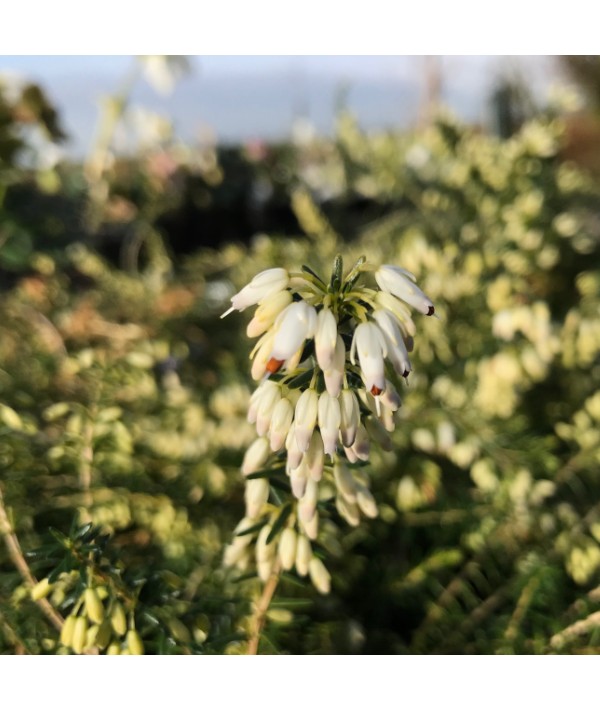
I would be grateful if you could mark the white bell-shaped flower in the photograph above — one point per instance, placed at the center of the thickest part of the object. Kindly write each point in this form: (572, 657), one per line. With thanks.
(293, 326)
(396, 350)
(371, 347)
(263, 285)
(401, 283)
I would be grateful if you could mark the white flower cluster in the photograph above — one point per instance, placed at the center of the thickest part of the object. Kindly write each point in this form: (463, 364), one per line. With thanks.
(327, 359)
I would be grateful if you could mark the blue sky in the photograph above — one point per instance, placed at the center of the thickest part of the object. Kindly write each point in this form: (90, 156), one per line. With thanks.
(241, 98)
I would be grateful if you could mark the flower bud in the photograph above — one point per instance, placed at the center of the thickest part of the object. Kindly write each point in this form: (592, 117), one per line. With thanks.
(287, 548)
(298, 479)
(311, 528)
(347, 510)
(118, 619)
(334, 376)
(66, 631)
(303, 555)
(179, 631)
(235, 551)
(281, 419)
(308, 503)
(390, 398)
(255, 399)
(104, 634)
(350, 455)
(256, 496)
(268, 400)
(315, 457)
(80, 629)
(90, 637)
(93, 607)
(366, 502)
(386, 417)
(264, 569)
(114, 648)
(319, 576)
(305, 417)
(256, 456)
(294, 454)
(344, 481)
(262, 356)
(134, 642)
(349, 417)
(362, 444)
(41, 590)
(325, 338)
(264, 551)
(329, 421)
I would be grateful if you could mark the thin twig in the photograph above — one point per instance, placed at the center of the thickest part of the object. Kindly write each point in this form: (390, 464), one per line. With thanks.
(262, 606)
(16, 555)
(578, 628)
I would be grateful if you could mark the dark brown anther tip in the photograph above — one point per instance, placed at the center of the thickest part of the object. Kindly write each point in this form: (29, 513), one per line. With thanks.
(376, 391)
(431, 311)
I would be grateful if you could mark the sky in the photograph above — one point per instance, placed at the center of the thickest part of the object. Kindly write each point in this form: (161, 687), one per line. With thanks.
(239, 98)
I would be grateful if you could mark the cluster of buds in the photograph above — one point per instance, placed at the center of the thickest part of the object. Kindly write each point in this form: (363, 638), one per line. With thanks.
(94, 627)
(329, 358)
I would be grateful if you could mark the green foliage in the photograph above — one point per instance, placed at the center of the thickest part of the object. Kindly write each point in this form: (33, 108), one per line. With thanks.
(124, 399)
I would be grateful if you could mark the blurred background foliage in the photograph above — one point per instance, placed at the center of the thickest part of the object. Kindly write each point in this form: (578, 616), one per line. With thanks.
(123, 395)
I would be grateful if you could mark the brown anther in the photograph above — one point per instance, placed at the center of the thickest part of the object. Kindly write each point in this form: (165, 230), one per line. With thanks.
(274, 365)
(431, 311)
(376, 391)
(406, 374)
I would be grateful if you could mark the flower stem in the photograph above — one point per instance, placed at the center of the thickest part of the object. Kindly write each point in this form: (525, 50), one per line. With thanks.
(262, 607)
(16, 555)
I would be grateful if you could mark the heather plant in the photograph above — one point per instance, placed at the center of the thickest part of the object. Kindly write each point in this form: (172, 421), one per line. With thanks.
(125, 401)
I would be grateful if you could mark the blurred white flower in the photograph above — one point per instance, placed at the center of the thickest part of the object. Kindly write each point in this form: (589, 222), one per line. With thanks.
(163, 71)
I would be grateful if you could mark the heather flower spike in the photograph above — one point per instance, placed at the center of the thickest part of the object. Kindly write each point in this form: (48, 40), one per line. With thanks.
(319, 406)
